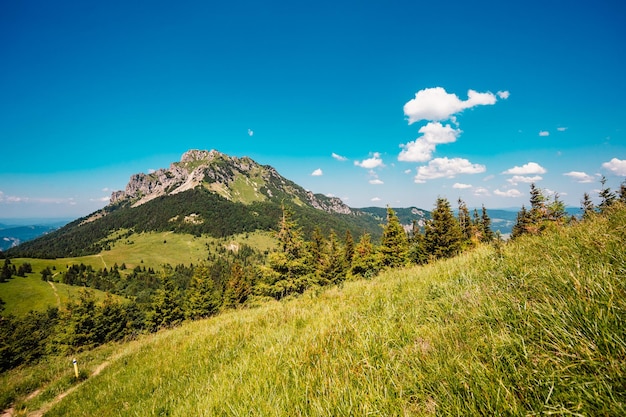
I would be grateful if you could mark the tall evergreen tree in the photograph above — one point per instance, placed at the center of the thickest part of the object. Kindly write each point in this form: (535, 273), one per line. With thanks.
(587, 206)
(348, 249)
(366, 262)
(538, 210)
(443, 234)
(238, 288)
(395, 244)
(203, 297)
(522, 223)
(465, 223)
(556, 210)
(608, 197)
(417, 246)
(165, 310)
(487, 234)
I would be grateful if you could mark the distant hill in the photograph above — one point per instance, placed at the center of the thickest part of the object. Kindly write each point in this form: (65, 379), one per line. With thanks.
(206, 192)
(16, 231)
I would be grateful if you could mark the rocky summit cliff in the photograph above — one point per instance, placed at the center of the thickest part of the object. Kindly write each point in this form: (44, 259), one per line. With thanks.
(237, 179)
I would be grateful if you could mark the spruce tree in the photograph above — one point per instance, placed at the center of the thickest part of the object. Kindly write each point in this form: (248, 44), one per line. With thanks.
(587, 206)
(443, 234)
(465, 222)
(522, 223)
(487, 234)
(348, 249)
(366, 262)
(608, 197)
(203, 297)
(395, 244)
(165, 310)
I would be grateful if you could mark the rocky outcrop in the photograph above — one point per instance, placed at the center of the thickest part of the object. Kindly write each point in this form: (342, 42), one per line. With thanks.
(237, 179)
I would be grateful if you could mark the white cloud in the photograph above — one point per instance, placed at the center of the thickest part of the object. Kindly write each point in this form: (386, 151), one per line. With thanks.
(482, 192)
(512, 193)
(516, 179)
(422, 148)
(616, 166)
(317, 173)
(339, 157)
(580, 177)
(376, 181)
(527, 169)
(544, 133)
(561, 129)
(374, 162)
(446, 168)
(250, 132)
(503, 94)
(437, 104)
(461, 186)
(375, 199)
(407, 171)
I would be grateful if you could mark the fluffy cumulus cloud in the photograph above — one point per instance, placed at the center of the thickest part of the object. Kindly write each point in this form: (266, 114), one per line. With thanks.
(447, 168)
(460, 186)
(516, 179)
(544, 133)
(339, 157)
(437, 104)
(376, 181)
(503, 94)
(581, 177)
(317, 173)
(511, 193)
(530, 168)
(482, 192)
(370, 163)
(616, 166)
(422, 148)
(250, 132)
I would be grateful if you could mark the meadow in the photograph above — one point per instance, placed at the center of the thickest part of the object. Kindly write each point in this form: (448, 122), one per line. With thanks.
(534, 326)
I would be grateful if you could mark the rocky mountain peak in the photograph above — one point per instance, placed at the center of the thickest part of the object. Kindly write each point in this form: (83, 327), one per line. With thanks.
(237, 179)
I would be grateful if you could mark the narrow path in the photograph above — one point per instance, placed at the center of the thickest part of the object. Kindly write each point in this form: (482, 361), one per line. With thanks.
(102, 259)
(56, 293)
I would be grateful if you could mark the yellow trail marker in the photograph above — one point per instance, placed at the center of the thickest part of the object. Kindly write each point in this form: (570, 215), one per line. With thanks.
(75, 368)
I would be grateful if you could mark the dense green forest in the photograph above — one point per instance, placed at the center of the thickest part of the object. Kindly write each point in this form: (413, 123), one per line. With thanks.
(197, 211)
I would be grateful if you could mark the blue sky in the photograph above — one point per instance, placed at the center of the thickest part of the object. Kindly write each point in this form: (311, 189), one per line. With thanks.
(378, 103)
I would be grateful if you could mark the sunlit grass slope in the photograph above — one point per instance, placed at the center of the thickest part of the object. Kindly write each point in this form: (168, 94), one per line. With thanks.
(535, 328)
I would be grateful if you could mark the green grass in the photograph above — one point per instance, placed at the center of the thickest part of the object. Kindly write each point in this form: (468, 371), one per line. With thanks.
(146, 249)
(536, 328)
(22, 295)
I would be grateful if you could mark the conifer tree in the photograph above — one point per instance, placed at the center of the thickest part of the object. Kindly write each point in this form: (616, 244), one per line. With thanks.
(622, 192)
(522, 223)
(291, 269)
(417, 246)
(465, 222)
(348, 250)
(366, 262)
(487, 234)
(538, 210)
(203, 298)
(443, 234)
(395, 244)
(587, 206)
(608, 197)
(334, 268)
(165, 310)
(556, 210)
(238, 288)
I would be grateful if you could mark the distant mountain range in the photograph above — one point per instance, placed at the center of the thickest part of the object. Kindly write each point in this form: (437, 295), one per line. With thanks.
(208, 192)
(16, 231)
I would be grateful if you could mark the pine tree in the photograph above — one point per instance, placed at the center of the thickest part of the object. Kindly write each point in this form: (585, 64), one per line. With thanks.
(465, 222)
(608, 197)
(238, 288)
(203, 297)
(165, 310)
(348, 250)
(556, 210)
(487, 234)
(395, 244)
(417, 246)
(587, 206)
(366, 262)
(538, 210)
(443, 234)
(291, 269)
(522, 223)
(334, 268)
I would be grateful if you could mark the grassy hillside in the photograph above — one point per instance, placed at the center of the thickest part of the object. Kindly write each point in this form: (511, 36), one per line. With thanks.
(150, 250)
(535, 327)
